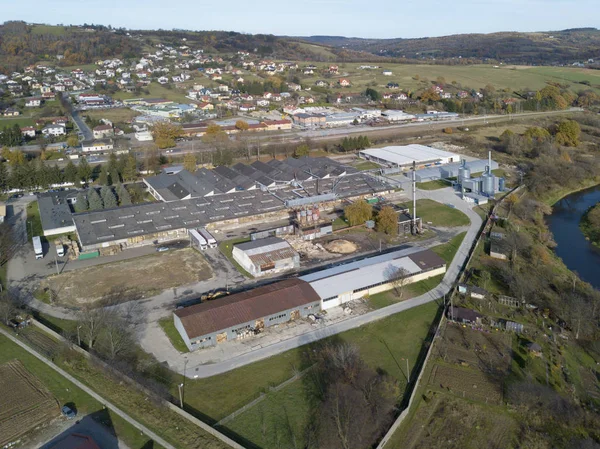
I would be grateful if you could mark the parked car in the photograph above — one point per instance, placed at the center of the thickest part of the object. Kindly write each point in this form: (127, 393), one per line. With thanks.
(68, 411)
(162, 249)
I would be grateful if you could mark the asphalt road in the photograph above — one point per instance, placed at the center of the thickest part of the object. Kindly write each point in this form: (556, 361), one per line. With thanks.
(82, 126)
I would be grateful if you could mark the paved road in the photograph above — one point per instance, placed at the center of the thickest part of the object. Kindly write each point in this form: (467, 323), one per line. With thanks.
(92, 393)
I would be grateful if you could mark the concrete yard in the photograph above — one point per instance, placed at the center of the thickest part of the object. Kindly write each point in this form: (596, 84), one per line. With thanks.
(129, 279)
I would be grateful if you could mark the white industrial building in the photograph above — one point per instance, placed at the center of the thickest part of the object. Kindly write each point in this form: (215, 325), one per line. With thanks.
(266, 256)
(338, 285)
(393, 115)
(403, 156)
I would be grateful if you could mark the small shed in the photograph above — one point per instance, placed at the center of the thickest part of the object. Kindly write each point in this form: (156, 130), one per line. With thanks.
(535, 349)
(477, 292)
(463, 315)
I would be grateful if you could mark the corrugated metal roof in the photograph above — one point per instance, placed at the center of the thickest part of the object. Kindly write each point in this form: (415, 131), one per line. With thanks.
(223, 313)
(362, 273)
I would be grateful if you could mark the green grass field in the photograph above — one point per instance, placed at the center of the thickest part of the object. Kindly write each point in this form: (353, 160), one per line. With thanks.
(169, 328)
(366, 165)
(34, 223)
(64, 391)
(21, 121)
(388, 298)
(49, 29)
(383, 345)
(156, 91)
(226, 247)
(468, 76)
(433, 185)
(439, 214)
(114, 115)
(447, 251)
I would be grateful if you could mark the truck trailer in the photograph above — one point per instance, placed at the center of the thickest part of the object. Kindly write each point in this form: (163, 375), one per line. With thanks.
(210, 240)
(37, 247)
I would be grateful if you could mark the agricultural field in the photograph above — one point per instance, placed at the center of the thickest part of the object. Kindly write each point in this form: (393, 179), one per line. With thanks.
(25, 403)
(129, 279)
(409, 76)
(21, 121)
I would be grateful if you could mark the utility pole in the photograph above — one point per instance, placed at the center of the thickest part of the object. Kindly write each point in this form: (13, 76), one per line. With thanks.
(78, 337)
(56, 263)
(180, 386)
(414, 192)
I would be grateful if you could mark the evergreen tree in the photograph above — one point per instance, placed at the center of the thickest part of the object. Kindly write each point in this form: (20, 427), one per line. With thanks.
(81, 202)
(4, 177)
(113, 163)
(104, 178)
(124, 197)
(130, 168)
(84, 171)
(71, 174)
(94, 200)
(108, 197)
(114, 176)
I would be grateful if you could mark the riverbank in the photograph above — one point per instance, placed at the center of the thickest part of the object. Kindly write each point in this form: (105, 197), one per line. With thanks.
(559, 194)
(590, 224)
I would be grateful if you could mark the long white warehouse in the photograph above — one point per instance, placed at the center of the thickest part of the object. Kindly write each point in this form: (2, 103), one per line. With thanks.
(403, 156)
(354, 280)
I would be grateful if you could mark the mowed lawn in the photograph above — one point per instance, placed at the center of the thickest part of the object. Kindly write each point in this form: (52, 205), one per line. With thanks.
(65, 391)
(384, 345)
(21, 121)
(115, 115)
(156, 91)
(439, 214)
(130, 279)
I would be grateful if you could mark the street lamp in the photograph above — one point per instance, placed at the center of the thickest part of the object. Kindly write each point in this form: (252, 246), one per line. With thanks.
(180, 386)
(407, 370)
(78, 337)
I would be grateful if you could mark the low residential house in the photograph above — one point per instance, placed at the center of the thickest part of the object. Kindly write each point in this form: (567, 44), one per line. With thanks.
(54, 130)
(275, 125)
(321, 83)
(48, 96)
(294, 87)
(344, 82)
(392, 86)
(163, 80)
(334, 69)
(205, 106)
(11, 112)
(88, 146)
(102, 131)
(263, 103)
(247, 107)
(33, 102)
(463, 315)
(266, 256)
(28, 131)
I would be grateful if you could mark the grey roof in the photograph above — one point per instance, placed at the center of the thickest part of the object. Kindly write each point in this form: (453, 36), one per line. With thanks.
(362, 273)
(142, 219)
(55, 211)
(260, 243)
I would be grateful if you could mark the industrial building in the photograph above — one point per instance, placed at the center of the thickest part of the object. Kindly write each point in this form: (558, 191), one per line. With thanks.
(266, 256)
(452, 170)
(404, 156)
(243, 314)
(338, 285)
(55, 211)
(308, 182)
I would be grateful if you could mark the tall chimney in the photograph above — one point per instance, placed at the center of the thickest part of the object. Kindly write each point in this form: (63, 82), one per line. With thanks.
(490, 161)
(414, 191)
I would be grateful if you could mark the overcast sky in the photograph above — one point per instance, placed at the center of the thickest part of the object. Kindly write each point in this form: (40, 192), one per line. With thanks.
(352, 18)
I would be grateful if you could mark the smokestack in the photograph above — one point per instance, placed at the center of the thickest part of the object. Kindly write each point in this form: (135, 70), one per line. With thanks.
(490, 161)
(414, 191)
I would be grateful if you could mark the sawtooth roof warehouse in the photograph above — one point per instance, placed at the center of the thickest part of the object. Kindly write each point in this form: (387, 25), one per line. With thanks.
(243, 314)
(221, 200)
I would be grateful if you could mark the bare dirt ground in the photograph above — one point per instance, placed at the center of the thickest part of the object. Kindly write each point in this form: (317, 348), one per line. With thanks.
(341, 246)
(129, 279)
(25, 403)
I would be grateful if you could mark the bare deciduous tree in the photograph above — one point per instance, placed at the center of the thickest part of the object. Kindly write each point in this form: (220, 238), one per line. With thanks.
(92, 321)
(397, 277)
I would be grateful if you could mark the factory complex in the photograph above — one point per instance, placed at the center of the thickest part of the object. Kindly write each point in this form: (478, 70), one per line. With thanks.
(244, 314)
(222, 197)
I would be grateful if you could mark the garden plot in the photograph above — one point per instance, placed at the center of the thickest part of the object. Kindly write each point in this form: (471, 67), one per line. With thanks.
(25, 404)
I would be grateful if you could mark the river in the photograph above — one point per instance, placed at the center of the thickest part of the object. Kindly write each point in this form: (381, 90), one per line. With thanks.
(577, 253)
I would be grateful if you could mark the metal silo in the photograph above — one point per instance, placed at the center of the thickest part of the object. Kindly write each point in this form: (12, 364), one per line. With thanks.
(464, 172)
(501, 184)
(488, 182)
